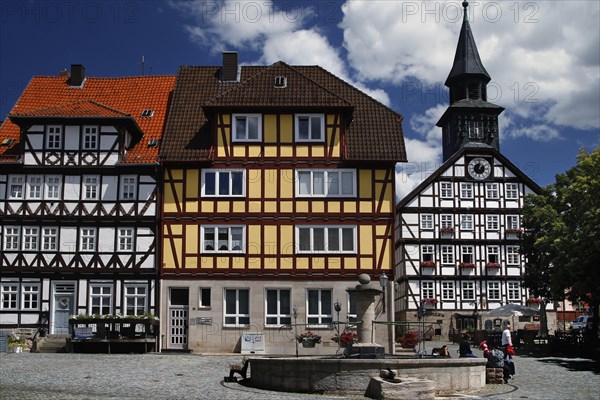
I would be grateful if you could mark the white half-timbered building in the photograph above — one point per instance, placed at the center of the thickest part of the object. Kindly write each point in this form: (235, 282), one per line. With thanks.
(457, 241)
(79, 198)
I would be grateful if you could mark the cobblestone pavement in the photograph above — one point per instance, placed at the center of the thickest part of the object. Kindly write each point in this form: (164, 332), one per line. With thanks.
(187, 376)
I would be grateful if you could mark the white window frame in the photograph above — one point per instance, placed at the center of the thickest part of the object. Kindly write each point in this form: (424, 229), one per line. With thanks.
(447, 252)
(237, 315)
(492, 222)
(31, 238)
(311, 137)
(491, 252)
(327, 248)
(235, 137)
(448, 291)
(511, 191)
(328, 177)
(12, 239)
(427, 252)
(53, 137)
(512, 255)
(30, 294)
(35, 187)
(446, 190)
(53, 185)
(125, 239)
(140, 300)
(320, 317)
(201, 303)
(492, 191)
(513, 290)
(87, 239)
(217, 173)
(230, 243)
(90, 187)
(281, 316)
(9, 292)
(468, 291)
(426, 221)
(105, 297)
(513, 222)
(427, 290)
(16, 188)
(466, 190)
(49, 240)
(128, 187)
(90, 138)
(493, 291)
(466, 222)
(467, 254)
(447, 221)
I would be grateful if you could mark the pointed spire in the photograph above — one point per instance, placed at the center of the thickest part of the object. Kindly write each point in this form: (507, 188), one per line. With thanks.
(466, 59)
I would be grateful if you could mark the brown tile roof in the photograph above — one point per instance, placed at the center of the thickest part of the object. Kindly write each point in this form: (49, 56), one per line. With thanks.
(375, 133)
(99, 97)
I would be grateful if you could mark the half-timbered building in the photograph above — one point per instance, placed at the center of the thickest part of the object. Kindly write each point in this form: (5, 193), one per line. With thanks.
(279, 191)
(457, 249)
(79, 192)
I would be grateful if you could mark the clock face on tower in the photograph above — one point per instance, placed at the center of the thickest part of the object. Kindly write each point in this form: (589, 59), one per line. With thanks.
(479, 168)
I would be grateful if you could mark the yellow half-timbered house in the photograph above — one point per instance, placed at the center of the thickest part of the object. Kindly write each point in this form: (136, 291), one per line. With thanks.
(279, 191)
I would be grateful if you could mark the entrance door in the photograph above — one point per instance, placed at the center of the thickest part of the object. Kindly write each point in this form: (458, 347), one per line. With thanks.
(178, 318)
(64, 307)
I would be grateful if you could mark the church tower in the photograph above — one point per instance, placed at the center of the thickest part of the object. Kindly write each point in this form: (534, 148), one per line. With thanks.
(470, 120)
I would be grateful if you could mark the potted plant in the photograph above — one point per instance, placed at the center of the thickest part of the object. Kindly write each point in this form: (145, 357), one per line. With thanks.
(16, 344)
(429, 302)
(308, 339)
(427, 264)
(408, 340)
(345, 339)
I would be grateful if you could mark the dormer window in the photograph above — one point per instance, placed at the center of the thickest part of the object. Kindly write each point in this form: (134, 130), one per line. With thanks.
(280, 81)
(147, 113)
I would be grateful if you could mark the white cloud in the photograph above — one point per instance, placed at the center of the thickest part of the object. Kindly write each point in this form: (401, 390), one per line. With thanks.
(542, 133)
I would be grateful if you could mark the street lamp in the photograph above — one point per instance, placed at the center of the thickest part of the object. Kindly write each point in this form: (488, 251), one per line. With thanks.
(383, 281)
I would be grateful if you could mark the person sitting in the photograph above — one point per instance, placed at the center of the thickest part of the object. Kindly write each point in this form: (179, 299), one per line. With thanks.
(464, 348)
(495, 359)
(444, 351)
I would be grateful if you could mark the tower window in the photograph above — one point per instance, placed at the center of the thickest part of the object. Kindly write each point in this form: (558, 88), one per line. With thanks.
(475, 129)
(473, 91)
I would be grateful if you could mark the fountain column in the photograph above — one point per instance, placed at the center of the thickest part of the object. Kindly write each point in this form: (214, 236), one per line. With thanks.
(365, 295)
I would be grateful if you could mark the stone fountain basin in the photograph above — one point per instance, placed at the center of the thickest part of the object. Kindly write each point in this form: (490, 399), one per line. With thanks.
(322, 374)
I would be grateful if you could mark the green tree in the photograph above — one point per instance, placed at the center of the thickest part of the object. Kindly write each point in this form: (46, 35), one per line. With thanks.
(562, 236)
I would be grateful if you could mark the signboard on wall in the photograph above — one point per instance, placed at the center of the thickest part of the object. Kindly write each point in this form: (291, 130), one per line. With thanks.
(253, 343)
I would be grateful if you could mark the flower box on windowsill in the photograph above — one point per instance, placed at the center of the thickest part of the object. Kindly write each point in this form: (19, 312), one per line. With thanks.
(447, 231)
(534, 300)
(427, 264)
(513, 232)
(466, 265)
(429, 303)
(493, 265)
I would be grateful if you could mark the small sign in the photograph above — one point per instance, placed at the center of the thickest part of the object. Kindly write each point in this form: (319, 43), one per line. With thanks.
(203, 321)
(253, 343)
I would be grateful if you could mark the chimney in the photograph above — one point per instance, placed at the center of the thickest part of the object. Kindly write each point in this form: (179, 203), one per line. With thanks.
(229, 71)
(77, 75)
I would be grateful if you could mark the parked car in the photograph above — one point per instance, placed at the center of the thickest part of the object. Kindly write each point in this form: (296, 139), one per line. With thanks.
(581, 322)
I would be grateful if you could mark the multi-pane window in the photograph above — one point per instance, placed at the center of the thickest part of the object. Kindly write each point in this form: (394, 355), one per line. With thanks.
(30, 238)
(10, 295)
(491, 191)
(475, 129)
(492, 222)
(30, 296)
(447, 254)
(468, 291)
(326, 183)
(310, 127)
(512, 222)
(237, 307)
(426, 221)
(223, 238)
(427, 290)
(466, 222)
(87, 239)
(511, 191)
(467, 254)
(91, 187)
(446, 221)
(319, 306)
(427, 252)
(446, 190)
(493, 254)
(53, 187)
(100, 298)
(125, 239)
(512, 255)
(90, 138)
(204, 297)
(247, 127)
(466, 190)
(493, 291)
(229, 183)
(447, 290)
(514, 291)
(352, 313)
(35, 185)
(50, 239)
(53, 137)
(326, 239)
(136, 296)
(278, 306)
(16, 187)
(128, 185)
(12, 234)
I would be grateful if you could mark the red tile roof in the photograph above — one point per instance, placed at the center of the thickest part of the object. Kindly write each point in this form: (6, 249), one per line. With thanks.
(99, 97)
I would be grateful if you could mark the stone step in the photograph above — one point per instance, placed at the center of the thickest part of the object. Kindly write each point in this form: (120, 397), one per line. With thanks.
(53, 344)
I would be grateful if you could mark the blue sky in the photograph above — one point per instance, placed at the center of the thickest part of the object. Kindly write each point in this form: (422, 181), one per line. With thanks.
(543, 57)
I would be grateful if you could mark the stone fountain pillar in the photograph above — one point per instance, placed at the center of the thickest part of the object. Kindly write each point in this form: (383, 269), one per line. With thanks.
(365, 295)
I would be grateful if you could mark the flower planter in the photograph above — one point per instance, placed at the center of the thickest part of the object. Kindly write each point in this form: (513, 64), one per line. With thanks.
(429, 306)
(308, 343)
(16, 349)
